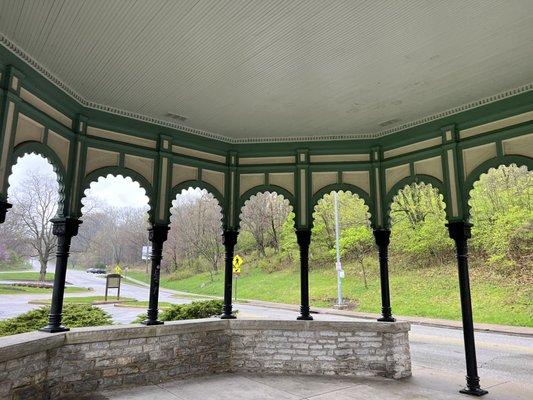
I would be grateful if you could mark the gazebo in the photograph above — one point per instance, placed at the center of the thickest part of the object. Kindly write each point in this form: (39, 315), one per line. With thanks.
(240, 97)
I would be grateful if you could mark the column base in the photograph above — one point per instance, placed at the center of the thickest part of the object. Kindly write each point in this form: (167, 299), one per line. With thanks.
(54, 329)
(228, 316)
(386, 319)
(474, 392)
(304, 318)
(148, 322)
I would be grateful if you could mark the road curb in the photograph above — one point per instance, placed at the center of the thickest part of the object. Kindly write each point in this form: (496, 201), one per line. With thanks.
(441, 323)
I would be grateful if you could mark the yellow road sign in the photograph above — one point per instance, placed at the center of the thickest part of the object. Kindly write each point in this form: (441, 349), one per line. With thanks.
(237, 262)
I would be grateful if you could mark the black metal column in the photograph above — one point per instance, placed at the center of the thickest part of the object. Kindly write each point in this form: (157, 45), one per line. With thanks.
(64, 229)
(382, 237)
(303, 237)
(460, 232)
(157, 234)
(230, 240)
(4, 206)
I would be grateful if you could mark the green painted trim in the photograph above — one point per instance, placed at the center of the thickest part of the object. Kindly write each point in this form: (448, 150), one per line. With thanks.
(412, 157)
(500, 134)
(446, 177)
(362, 166)
(42, 150)
(344, 187)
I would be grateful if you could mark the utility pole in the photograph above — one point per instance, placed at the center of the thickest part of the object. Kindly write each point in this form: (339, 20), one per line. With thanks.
(338, 265)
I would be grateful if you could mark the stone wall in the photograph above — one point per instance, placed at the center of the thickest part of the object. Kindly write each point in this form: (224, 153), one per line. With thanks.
(321, 348)
(39, 365)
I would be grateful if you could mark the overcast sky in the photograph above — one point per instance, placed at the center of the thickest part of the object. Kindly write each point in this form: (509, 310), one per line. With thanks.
(115, 191)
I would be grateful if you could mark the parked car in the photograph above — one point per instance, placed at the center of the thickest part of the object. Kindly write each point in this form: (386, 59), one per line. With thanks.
(96, 271)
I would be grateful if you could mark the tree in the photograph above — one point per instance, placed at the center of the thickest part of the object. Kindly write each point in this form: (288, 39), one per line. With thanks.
(263, 216)
(419, 226)
(357, 243)
(195, 233)
(35, 200)
(111, 235)
(353, 213)
(502, 216)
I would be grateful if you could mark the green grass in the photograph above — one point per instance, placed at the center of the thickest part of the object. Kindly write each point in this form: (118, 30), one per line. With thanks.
(85, 300)
(10, 289)
(24, 276)
(15, 265)
(430, 292)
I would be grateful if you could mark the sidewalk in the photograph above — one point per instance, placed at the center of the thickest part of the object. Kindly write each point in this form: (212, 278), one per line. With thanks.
(445, 323)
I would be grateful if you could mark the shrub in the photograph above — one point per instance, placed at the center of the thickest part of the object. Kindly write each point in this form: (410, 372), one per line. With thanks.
(74, 315)
(194, 310)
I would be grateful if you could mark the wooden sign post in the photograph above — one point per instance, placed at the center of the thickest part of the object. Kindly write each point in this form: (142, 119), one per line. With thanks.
(113, 282)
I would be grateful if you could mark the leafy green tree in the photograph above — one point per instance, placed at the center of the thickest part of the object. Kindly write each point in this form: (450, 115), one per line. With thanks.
(356, 243)
(418, 228)
(353, 213)
(502, 216)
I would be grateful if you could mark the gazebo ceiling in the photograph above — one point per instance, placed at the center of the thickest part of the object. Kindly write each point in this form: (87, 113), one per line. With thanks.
(265, 68)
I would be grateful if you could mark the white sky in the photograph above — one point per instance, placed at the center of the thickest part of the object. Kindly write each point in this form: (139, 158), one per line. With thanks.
(114, 191)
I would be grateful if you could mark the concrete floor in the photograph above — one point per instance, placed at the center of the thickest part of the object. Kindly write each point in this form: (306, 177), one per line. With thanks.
(425, 384)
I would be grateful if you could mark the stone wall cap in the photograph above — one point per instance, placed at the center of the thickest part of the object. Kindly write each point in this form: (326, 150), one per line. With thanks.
(23, 344)
(133, 331)
(211, 324)
(351, 326)
(109, 332)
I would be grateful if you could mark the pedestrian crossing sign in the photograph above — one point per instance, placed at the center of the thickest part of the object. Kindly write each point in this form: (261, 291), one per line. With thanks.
(237, 262)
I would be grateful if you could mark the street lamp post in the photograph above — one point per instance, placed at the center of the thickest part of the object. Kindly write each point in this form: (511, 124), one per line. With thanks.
(338, 264)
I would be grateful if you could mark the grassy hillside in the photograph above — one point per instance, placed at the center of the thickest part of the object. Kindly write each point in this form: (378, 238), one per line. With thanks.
(427, 292)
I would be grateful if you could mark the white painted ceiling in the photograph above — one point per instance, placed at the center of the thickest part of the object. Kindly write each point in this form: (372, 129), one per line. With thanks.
(279, 68)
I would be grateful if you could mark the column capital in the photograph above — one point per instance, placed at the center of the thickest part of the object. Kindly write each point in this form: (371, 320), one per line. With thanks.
(382, 236)
(158, 233)
(65, 226)
(229, 237)
(303, 236)
(459, 230)
(4, 206)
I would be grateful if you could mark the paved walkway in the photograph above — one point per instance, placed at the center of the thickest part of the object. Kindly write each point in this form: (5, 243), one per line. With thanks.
(425, 384)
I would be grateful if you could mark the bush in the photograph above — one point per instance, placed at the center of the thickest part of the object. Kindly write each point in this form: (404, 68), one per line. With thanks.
(74, 316)
(194, 310)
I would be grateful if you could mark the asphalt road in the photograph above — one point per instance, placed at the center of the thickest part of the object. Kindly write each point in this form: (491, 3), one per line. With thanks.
(503, 359)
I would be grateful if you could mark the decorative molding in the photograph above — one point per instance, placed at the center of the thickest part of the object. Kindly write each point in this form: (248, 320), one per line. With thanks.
(21, 54)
